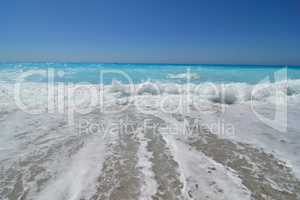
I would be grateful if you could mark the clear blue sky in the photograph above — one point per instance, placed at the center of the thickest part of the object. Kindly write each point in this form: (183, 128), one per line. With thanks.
(151, 31)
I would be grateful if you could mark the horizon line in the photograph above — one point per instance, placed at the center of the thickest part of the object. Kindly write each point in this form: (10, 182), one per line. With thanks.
(146, 63)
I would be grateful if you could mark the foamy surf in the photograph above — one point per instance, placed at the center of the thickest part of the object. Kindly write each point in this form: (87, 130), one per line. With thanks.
(203, 177)
(78, 180)
(149, 184)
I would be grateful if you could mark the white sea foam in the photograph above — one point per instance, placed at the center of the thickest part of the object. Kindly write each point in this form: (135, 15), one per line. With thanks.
(36, 94)
(79, 178)
(185, 76)
(222, 183)
(149, 184)
(148, 88)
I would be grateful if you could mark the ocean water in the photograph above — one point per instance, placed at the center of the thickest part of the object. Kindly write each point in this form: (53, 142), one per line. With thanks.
(138, 73)
(45, 155)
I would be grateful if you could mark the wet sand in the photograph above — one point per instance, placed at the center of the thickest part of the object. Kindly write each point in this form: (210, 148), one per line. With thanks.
(139, 164)
(262, 174)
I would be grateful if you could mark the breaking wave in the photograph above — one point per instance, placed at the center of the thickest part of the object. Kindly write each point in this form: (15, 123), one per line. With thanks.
(218, 93)
(184, 76)
(35, 95)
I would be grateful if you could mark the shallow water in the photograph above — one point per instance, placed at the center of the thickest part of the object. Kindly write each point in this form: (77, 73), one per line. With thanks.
(138, 73)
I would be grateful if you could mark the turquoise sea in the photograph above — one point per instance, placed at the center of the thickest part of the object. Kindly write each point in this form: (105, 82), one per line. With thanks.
(138, 73)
